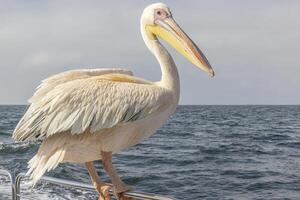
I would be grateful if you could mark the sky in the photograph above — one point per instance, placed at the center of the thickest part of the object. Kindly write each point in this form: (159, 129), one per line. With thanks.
(253, 46)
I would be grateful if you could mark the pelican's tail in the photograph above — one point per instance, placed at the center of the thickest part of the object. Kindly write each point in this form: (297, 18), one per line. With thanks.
(41, 163)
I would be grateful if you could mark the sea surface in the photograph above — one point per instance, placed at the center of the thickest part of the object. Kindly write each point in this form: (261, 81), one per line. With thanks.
(203, 152)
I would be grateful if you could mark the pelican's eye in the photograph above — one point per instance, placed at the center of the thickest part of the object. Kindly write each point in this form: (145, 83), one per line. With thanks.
(160, 14)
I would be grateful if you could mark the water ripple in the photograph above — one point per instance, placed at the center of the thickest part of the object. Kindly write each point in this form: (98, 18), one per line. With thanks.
(203, 152)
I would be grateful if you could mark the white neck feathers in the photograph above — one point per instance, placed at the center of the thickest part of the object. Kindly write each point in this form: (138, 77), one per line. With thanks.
(169, 77)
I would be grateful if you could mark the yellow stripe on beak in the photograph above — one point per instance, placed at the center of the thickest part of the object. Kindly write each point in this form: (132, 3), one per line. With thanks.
(169, 31)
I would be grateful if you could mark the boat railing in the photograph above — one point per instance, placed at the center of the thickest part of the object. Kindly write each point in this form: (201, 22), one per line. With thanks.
(15, 184)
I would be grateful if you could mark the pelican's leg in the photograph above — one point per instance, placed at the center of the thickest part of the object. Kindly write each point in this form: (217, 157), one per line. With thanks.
(101, 188)
(118, 185)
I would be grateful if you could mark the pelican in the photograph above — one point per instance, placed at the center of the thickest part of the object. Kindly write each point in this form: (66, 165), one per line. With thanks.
(90, 114)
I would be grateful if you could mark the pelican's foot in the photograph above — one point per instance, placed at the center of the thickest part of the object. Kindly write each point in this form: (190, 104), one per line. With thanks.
(120, 189)
(103, 191)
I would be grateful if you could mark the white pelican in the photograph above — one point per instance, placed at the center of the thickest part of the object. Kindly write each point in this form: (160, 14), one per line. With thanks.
(88, 115)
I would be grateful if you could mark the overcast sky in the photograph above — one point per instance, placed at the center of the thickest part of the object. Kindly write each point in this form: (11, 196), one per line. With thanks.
(254, 46)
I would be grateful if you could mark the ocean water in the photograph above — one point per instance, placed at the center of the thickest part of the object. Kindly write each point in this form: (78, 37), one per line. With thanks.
(203, 152)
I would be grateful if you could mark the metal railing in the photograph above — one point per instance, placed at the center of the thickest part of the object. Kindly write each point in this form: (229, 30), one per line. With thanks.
(15, 181)
(12, 179)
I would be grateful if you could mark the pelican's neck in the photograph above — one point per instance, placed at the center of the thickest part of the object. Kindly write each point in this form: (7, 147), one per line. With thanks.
(169, 73)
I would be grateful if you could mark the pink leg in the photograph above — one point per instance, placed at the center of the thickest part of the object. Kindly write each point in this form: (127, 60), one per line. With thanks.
(119, 185)
(101, 188)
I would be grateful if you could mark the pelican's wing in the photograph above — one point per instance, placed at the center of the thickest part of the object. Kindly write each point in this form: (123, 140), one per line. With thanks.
(93, 103)
(51, 82)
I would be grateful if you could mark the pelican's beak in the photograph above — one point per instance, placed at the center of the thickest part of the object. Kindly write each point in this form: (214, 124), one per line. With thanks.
(168, 30)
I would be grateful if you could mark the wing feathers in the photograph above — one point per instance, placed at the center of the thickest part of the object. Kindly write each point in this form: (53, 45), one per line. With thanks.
(51, 82)
(90, 103)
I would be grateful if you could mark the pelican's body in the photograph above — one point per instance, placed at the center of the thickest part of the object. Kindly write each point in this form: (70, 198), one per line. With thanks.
(80, 148)
(87, 115)
(86, 147)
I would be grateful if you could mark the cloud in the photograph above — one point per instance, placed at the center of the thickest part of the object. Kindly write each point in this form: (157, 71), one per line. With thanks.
(252, 45)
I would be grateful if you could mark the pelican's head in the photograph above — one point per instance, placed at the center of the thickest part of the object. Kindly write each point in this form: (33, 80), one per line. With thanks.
(157, 21)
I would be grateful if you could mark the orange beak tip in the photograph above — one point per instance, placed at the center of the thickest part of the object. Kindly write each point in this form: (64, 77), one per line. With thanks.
(212, 73)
